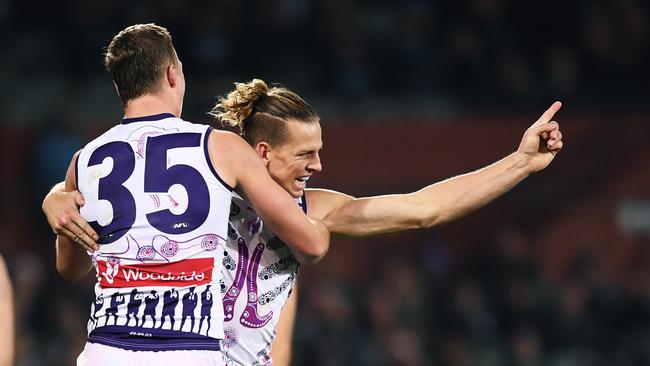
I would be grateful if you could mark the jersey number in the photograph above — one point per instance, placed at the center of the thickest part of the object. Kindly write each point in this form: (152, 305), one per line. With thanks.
(158, 178)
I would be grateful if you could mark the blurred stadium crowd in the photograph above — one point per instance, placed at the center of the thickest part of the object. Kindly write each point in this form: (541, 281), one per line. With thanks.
(451, 298)
(473, 53)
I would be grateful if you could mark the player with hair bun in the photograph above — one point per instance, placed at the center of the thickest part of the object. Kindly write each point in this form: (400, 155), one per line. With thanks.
(260, 271)
(157, 196)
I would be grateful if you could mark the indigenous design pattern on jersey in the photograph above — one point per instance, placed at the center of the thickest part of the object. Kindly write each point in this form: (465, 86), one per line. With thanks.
(161, 212)
(258, 274)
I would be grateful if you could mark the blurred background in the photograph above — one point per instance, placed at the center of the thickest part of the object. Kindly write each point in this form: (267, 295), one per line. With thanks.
(556, 272)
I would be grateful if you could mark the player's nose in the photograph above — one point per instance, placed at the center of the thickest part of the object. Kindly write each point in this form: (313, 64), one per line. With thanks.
(315, 164)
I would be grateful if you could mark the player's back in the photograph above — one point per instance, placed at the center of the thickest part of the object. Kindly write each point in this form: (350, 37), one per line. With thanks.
(161, 213)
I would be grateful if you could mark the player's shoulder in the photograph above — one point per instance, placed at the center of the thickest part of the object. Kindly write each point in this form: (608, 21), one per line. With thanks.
(223, 134)
(227, 140)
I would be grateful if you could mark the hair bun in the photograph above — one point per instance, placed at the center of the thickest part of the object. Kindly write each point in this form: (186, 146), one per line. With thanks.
(239, 104)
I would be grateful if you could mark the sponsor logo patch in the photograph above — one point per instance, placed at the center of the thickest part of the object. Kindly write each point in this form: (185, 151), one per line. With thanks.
(196, 271)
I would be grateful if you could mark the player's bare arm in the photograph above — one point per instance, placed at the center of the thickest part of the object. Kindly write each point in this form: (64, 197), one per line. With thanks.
(6, 317)
(62, 211)
(281, 348)
(440, 202)
(72, 260)
(240, 167)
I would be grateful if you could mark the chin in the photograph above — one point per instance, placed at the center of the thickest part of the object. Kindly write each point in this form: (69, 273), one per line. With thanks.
(295, 192)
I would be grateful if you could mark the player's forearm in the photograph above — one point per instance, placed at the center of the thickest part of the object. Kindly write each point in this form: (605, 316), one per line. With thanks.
(455, 197)
(313, 254)
(72, 262)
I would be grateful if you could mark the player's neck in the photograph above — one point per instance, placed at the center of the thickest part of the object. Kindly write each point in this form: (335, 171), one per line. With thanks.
(149, 105)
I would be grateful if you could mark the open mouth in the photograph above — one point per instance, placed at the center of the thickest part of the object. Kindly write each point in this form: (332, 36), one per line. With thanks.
(302, 181)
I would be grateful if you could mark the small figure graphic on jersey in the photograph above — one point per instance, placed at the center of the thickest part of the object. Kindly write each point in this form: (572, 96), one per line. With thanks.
(97, 306)
(170, 300)
(189, 304)
(150, 303)
(206, 308)
(133, 306)
(117, 299)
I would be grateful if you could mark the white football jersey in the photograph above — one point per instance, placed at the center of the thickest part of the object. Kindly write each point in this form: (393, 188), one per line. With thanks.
(161, 212)
(258, 275)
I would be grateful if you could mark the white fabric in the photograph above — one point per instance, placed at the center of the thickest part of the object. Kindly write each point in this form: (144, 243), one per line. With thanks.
(254, 258)
(99, 355)
(155, 276)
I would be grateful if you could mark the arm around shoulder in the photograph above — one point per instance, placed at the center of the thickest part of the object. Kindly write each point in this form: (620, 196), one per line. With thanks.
(239, 166)
(72, 260)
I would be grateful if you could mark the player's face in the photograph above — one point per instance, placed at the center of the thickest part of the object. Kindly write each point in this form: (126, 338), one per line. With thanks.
(292, 163)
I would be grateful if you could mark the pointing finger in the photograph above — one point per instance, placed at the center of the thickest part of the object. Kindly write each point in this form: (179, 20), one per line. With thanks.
(548, 115)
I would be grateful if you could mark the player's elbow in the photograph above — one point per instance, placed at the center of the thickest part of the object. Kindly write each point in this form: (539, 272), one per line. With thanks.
(70, 273)
(426, 220)
(314, 253)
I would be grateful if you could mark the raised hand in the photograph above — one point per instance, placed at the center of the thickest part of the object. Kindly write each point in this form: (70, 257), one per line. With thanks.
(542, 141)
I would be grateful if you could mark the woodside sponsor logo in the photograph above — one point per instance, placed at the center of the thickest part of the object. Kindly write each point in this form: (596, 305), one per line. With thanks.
(187, 272)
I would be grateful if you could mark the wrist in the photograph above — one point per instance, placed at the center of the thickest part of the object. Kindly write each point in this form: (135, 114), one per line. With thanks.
(521, 163)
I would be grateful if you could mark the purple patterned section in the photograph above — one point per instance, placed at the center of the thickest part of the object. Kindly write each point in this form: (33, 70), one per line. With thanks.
(231, 337)
(170, 248)
(210, 242)
(249, 317)
(164, 248)
(146, 252)
(235, 289)
(254, 225)
(147, 339)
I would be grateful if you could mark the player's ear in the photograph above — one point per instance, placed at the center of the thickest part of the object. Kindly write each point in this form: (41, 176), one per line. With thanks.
(171, 74)
(263, 150)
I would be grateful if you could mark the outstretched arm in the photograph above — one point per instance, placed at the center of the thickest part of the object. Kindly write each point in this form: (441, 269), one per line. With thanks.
(72, 261)
(443, 201)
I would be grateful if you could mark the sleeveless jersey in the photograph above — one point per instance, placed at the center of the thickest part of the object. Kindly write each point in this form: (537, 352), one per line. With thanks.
(161, 212)
(258, 275)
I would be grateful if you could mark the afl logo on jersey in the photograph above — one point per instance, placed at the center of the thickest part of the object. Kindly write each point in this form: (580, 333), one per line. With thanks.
(180, 225)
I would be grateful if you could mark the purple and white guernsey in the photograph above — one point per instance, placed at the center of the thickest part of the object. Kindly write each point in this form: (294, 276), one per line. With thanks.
(161, 212)
(258, 274)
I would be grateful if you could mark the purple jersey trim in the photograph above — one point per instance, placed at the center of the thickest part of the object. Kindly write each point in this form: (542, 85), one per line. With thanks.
(303, 202)
(207, 158)
(154, 117)
(160, 340)
(76, 171)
